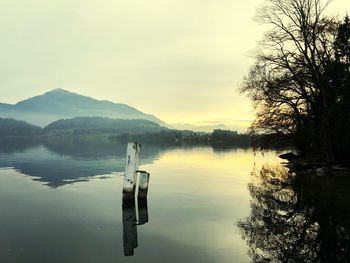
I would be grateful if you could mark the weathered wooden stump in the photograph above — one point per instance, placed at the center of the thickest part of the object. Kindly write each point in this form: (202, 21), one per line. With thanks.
(143, 184)
(130, 176)
(142, 211)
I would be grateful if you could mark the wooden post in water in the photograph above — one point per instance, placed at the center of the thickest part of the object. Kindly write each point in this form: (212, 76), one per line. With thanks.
(130, 176)
(143, 184)
(133, 177)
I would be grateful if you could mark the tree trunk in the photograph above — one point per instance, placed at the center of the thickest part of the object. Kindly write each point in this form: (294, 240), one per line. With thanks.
(326, 149)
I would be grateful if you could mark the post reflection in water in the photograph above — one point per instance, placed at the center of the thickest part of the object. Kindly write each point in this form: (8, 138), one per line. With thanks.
(130, 221)
(297, 217)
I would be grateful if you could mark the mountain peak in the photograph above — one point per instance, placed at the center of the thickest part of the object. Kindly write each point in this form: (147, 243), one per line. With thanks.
(58, 90)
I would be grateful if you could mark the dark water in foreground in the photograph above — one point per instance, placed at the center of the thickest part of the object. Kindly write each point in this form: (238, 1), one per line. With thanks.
(62, 203)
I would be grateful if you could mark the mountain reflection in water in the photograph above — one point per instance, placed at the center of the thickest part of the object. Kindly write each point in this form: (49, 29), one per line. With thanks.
(297, 217)
(58, 164)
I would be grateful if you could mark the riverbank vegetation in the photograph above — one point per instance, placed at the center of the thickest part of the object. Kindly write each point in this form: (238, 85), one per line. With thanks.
(300, 81)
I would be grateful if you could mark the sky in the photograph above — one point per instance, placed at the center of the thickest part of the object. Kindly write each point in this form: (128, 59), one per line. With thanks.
(181, 60)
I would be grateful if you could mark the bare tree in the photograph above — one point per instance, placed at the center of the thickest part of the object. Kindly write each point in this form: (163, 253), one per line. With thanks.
(293, 83)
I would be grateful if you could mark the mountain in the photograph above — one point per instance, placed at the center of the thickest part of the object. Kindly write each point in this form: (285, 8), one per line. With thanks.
(61, 104)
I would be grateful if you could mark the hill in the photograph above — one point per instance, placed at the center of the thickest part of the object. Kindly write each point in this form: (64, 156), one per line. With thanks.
(61, 104)
(84, 125)
(14, 128)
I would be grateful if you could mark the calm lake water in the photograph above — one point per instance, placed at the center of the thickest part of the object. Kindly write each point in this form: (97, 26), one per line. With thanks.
(62, 203)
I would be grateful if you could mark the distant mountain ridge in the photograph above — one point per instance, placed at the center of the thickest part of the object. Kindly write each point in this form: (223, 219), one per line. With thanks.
(78, 125)
(101, 124)
(199, 128)
(61, 104)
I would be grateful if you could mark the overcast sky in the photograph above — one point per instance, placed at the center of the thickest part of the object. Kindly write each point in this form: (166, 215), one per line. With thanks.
(182, 60)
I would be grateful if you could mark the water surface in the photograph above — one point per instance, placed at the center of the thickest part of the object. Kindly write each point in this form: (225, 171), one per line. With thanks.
(61, 203)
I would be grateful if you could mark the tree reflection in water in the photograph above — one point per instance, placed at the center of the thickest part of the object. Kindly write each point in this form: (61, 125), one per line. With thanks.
(297, 217)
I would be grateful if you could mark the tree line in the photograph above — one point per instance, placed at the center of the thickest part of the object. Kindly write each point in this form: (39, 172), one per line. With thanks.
(104, 130)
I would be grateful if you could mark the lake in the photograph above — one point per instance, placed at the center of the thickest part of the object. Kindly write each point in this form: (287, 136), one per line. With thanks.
(63, 203)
